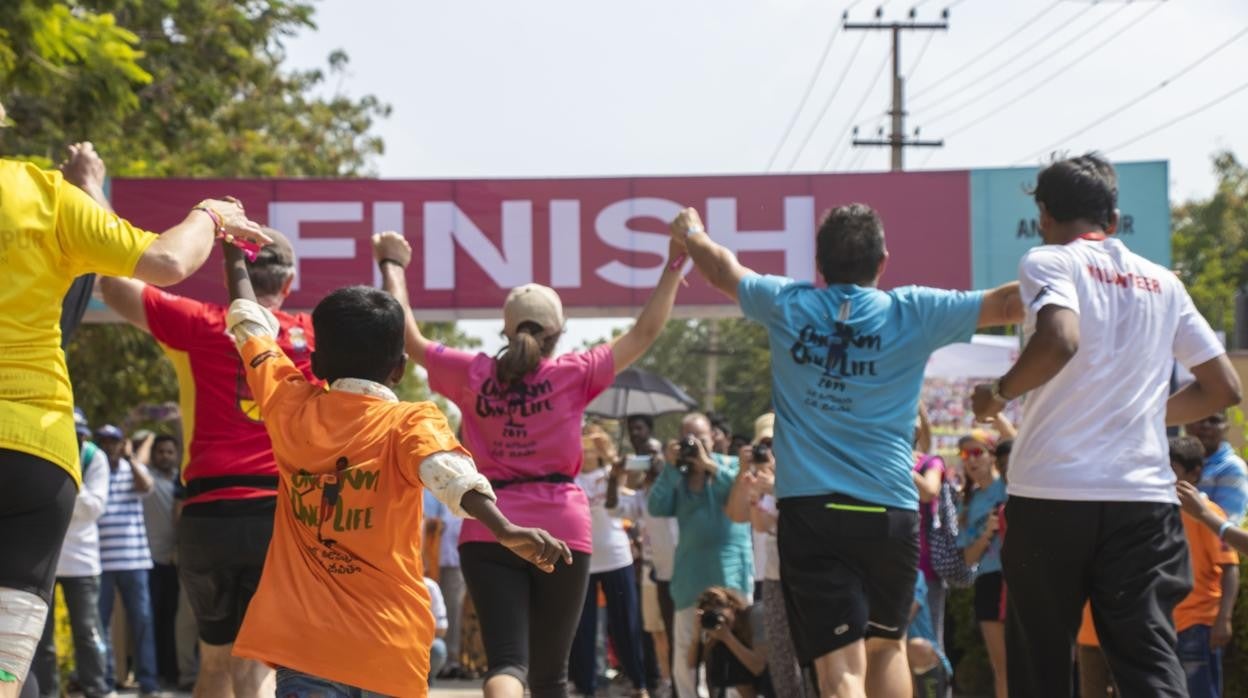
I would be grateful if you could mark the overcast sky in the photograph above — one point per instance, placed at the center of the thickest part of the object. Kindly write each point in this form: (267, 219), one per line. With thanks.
(648, 87)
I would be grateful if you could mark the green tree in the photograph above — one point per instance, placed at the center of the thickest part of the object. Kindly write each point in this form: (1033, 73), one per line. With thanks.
(1210, 244)
(189, 88)
(743, 376)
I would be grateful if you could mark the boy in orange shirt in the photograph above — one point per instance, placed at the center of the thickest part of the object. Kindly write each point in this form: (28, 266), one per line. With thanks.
(1203, 619)
(342, 608)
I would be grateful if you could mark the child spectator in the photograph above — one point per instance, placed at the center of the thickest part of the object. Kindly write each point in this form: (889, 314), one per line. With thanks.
(342, 607)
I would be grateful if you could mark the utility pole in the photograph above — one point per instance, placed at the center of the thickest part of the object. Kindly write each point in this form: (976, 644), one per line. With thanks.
(712, 363)
(897, 139)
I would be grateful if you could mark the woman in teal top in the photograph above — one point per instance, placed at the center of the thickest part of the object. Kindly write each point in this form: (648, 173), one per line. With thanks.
(980, 540)
(712, 550)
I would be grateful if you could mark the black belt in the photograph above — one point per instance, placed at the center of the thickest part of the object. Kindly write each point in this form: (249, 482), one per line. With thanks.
(200, 485)
(557, 478)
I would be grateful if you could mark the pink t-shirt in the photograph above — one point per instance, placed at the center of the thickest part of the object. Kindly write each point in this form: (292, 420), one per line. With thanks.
(531, 433)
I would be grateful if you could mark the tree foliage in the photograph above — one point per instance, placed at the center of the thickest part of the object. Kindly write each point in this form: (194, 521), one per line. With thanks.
(190, 88)
(1210, 244)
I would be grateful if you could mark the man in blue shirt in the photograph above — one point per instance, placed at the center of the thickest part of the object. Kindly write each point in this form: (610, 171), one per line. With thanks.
(1224, 478)
(712, 550)
(847, 365)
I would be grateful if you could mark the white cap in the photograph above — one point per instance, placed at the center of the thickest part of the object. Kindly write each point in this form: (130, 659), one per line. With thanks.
(533, 303)
(764, 427)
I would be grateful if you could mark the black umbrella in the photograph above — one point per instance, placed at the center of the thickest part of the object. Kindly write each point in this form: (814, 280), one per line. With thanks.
(640, 392)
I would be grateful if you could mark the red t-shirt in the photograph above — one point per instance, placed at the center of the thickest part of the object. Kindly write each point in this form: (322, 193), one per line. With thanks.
(225, 435)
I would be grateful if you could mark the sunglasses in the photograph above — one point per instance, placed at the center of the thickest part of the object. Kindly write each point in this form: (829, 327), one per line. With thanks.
(973, 453)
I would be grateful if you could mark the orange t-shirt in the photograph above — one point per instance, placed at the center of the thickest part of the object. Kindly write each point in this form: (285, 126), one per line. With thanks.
(1200, 607)
(343, 595)
(1208, 555)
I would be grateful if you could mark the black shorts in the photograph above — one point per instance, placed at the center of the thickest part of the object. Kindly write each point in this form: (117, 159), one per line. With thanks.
(221, 550)
(990, 597)
(36, 502)
(848, 570)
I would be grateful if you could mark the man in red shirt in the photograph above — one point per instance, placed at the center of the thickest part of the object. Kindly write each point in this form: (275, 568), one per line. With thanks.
(230, 476)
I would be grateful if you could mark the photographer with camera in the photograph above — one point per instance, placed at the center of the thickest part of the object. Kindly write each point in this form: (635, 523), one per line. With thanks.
(713, 551)
(732, 644)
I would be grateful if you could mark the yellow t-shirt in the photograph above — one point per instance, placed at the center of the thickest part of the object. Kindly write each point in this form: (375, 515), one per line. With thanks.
(50, 233)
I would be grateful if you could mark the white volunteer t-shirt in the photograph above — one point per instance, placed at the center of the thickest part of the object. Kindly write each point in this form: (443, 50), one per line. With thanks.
(1096, 431)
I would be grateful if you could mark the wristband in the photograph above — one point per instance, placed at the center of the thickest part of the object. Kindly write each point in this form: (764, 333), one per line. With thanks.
(250, 249)
(997, 394)
(387, 260)
(1222, 529)
(678, 263)
(218, 226)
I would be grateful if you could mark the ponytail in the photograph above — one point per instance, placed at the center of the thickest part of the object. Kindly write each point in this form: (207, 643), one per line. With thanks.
(522, 354)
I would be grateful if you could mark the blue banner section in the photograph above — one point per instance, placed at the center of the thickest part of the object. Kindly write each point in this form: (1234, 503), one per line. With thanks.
(1004, 222)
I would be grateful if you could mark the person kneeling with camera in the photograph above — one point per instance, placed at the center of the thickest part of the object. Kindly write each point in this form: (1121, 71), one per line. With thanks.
(733, 646)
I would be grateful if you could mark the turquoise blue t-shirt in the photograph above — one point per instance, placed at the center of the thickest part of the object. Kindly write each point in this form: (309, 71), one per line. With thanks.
(712, 550)
(983, 503)
(847, 365)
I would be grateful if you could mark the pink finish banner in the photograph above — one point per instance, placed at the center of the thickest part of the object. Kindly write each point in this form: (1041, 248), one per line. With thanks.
(600, 242)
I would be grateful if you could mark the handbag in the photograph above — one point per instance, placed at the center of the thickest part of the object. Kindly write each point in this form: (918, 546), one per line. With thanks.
(942, 542)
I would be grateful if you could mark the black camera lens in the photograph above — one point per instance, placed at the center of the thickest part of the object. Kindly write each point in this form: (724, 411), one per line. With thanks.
(689, 448)
(712, 618)
(761, 452)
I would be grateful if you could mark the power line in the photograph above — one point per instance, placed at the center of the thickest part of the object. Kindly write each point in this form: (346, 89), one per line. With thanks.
(1031, 89)
(857, 110)
(823, 111)
(1139, 98)
(919, 58)
(810, 86)
(1024, 52)
(1001, 42)
(1045, 58)
(1186, 115)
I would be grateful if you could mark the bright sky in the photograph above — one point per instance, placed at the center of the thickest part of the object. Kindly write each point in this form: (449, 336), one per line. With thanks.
(658, 87)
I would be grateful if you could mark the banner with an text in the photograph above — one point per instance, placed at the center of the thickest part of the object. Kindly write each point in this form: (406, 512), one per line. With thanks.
(602, 242)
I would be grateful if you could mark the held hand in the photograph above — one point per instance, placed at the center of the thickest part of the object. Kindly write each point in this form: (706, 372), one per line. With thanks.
(391, 245)
(83, 167)
(1220, 633)
(537, 546)
(1190, 499)
(686, 223)
(704, 462)
(235, 221)
(766, 480)
(671, 452)
(984, 404)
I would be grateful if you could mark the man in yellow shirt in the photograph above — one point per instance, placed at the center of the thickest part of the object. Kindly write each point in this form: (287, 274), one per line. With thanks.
(50, 233)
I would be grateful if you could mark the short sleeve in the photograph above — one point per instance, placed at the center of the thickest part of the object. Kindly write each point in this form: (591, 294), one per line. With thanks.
(93, 238)
(173, 320)
(276, 384)
(1045, 277)
(757, 296)
(448, 369)
(425, 432)
(599, 370)
(1194, 340)
(946, 316)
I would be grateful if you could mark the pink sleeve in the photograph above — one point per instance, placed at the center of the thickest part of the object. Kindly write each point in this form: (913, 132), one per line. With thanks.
(448, 369)
(599, 370)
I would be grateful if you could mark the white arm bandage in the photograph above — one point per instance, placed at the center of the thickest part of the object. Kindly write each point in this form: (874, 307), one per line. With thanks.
(247, 319)
(452, 475)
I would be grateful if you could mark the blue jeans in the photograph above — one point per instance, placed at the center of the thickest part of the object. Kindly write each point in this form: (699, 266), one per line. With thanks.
(437, 658)
(296, 684)
(82, 600)
(623, 625)
(138, 606)
(1202, 663)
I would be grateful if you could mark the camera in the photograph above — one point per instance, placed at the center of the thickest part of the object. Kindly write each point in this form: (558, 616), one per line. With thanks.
(688, 448)
(712, 618)
(761, 452)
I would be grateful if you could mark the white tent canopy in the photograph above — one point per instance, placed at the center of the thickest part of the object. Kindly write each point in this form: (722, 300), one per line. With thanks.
(984, 356)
